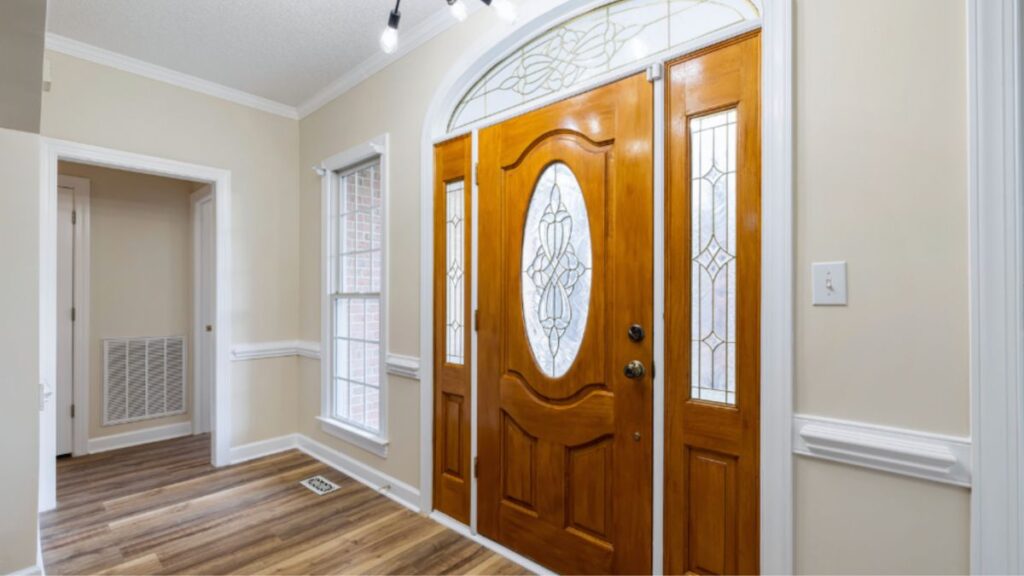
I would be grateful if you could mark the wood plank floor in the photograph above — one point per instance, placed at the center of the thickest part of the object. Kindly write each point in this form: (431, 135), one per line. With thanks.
(163, 509)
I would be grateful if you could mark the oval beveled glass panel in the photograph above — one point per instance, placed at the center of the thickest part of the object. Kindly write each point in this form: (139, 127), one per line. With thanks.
(556, 270)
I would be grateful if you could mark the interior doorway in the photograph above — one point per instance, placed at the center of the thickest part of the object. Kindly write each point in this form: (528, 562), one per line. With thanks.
(158, 357)
(135, 257)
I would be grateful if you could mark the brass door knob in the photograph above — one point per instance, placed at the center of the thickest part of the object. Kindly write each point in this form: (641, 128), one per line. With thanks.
(635, 369)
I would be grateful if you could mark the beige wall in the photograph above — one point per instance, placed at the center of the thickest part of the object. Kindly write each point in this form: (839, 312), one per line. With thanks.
(881, 178)
(856, 521)
(141, 271)
(881, 182)
(94, 104)
(19, 349)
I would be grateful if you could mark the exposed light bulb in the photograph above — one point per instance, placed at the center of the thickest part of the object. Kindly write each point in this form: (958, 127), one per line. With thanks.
(505, 9)
(458, 9)
(389, 38)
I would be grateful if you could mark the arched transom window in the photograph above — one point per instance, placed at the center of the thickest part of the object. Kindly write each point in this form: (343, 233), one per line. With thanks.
(599, 42)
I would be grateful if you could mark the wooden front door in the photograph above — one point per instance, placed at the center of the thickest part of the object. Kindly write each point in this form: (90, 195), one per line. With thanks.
(713, 294)
(565, 271)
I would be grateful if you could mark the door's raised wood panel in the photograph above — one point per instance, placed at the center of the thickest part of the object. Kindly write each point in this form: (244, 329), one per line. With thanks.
(565, 449)
(451, 417)
(452, 468)
(712, 512)
(589, 489)
(519, 464)
(712, 447)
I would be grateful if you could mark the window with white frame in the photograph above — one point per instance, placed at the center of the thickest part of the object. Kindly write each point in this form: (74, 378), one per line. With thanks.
(355, 290)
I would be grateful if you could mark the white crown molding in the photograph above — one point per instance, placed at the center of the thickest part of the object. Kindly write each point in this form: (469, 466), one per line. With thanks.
(275, 349)
(405, 366)
(85, 51)
(409, 41)
(923, 455)
(143, 436)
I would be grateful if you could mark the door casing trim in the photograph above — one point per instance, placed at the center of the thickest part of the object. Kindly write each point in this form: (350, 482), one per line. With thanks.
(777, 327)
(995, 118)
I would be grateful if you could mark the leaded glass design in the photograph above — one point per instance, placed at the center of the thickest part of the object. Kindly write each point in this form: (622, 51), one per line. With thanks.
(556, 270)
(599, 42)
(455, 306)
(713, 293)
(358, 259)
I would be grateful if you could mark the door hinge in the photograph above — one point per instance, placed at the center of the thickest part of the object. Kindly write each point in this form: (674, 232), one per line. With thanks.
(74, 217)
(476, 320)
(476, 173)
(476, 467)
(73, 314)
(653, 369)
(72, 410)
(654, 72)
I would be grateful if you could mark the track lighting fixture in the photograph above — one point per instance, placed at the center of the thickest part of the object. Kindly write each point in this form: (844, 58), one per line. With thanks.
(505, 10)
(389, 38)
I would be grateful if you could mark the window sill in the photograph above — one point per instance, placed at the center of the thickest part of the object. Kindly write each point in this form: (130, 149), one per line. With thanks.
(361, 438)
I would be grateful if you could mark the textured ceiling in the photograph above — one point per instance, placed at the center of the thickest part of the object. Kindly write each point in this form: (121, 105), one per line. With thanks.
(283, 50)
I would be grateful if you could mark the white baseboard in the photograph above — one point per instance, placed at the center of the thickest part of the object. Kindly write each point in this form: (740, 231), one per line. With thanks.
(144, 436)
(464, 530)
(393, 488)
(923, 455)
(263, 448)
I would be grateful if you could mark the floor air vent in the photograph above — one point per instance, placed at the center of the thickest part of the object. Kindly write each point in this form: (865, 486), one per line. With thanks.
(319, 485)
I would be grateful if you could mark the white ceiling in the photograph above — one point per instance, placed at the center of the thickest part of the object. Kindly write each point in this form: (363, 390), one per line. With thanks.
(287, 51)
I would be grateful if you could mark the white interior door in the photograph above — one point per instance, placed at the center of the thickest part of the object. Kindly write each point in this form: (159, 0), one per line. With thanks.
(65, 326)
(205, 268)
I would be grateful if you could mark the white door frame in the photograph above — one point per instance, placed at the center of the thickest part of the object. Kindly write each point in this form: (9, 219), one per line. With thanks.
(53, 151)
(996, 190)
(777, 298)
(80, 327)
(201, 408)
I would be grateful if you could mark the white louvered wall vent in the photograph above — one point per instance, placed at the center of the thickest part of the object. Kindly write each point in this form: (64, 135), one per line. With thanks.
(143, 378)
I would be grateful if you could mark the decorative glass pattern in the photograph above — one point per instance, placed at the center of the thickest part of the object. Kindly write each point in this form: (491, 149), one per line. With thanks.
(601, 41)
(455, 305)
(556, 270)
(713, 197)
(356, 298)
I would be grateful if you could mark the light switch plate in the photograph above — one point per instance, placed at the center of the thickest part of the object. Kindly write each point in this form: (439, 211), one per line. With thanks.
(829, 283)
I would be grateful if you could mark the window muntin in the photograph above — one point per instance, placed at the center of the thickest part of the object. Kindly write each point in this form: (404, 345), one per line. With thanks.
(356, 297)
(556, 270)
(455, 269)
(713, 293)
